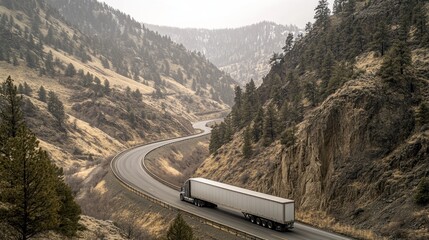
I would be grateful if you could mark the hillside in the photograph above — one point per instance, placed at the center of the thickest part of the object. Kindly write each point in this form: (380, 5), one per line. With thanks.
(242, 52)
(89, 96)
(340, 124)
(139, 53)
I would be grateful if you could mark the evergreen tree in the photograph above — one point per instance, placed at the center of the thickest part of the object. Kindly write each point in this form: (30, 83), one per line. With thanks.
(20, 89)
(29, 186)
(247, 146)
(49, 64)
(322, 13)
(381, 36)
(258, 125)
(215, 140)
(422, 194)
(106, 86)
(180, 230)
(288, 43)
(396, 63)
(236, 109)
(288, 137)
(69, 212)
(338, 6)
(30, 59)
(27, 89)
(311, 93)
(56, 108)
(10, 111)
(70, 70)
(270, 126)
(137, 95)
(249, 104)
(32, 188)
(42, 94)
(308, 27)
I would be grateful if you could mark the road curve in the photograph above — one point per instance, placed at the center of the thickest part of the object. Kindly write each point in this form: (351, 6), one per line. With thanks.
(127, 166)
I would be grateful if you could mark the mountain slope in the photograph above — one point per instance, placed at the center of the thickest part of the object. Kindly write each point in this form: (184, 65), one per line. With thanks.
(134, 51)
(340, 123)
(242, 52)
(103, 111)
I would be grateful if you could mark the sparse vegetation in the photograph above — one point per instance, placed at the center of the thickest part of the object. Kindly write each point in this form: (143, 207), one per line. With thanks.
(180, 230)
(421, 195)
(34, 199)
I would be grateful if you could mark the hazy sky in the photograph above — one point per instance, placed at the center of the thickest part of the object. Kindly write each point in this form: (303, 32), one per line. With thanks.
(217, 13)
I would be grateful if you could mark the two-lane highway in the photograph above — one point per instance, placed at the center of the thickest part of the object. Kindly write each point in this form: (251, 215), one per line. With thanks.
(127, 166)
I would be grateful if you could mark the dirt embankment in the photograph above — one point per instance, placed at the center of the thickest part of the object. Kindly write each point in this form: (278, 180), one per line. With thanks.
(177, 162)
(101, 195)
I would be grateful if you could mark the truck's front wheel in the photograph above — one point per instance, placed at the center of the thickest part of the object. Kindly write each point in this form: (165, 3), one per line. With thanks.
(181, 197)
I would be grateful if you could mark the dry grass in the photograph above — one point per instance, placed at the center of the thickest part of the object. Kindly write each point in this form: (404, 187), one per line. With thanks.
(321, 220)
(369, 63)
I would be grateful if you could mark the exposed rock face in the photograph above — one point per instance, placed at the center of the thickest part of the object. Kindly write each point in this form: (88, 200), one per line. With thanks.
(356, 158)
(340, 143)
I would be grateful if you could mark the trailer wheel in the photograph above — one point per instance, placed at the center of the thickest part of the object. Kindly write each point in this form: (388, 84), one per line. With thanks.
(195, 202)
(252, 219)
(264, 223)
(258, 221)
(270, 225)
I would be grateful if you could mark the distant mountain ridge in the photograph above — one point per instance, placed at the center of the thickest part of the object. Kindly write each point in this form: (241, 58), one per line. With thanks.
(242, 52)
(141, 54)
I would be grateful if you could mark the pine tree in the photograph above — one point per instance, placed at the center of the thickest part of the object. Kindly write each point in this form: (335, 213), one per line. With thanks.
(180, 230)
(422, 194)
(258, 125)
(249, 103)
(29, 190)
(32, 188)
(49, 64)
(215, 140)
(338, 6)
(42, 94)
(270, 126)
(106, 86)
(10, 111)
(381, 36)
(236, 109)
(247, 146)
(396, 63)
(288, 43)
(56, 108)
(27, 89)
(288, 137)
(20, 89)
(70, 70)
(69, 212)
(322, 13)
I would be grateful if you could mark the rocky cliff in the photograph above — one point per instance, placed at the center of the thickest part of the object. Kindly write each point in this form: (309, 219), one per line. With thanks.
(354, 157)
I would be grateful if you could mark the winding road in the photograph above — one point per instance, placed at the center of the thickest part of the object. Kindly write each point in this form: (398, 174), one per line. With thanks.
(127, 166)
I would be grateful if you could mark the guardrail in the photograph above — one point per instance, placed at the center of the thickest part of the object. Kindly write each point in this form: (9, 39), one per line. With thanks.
(147, 196)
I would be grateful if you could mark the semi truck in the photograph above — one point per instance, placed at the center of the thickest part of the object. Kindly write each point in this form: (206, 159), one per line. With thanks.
(266, 210)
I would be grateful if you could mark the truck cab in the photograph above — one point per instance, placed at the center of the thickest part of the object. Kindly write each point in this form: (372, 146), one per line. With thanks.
(185, 192)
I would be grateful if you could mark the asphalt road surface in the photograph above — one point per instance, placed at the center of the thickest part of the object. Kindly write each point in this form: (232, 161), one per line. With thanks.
(128, 167)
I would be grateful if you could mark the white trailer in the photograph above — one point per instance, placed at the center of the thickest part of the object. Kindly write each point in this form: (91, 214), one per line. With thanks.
(263, 209)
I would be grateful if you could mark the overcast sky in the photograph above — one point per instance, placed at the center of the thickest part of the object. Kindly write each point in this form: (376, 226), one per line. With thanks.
(217, 13)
